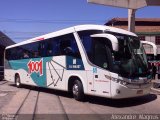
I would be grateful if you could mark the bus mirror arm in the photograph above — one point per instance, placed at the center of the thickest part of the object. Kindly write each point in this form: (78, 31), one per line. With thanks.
(151, 44)
(110, 37)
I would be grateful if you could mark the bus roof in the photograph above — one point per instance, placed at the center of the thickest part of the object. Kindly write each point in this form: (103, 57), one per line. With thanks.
(73, 29)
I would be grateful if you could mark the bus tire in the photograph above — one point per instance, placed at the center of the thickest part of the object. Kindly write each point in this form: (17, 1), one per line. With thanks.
(17, 81)
(77, 90)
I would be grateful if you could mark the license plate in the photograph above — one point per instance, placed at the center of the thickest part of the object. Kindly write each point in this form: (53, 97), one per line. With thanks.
(140, 92)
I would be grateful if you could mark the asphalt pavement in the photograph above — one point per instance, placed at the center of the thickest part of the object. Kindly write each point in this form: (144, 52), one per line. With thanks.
(35, 103)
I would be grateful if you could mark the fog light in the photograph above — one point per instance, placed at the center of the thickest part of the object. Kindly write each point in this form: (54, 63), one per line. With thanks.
(115, 80)
(123, 83)
(118, 91)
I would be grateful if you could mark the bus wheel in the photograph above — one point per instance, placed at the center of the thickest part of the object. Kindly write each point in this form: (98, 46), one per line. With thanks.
(77, 90)
(18, 81)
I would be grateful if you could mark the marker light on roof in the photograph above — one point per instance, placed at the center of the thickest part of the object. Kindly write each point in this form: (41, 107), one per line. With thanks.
(40, 39)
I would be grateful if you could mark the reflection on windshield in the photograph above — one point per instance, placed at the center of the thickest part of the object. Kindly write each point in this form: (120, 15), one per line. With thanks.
(130, 60)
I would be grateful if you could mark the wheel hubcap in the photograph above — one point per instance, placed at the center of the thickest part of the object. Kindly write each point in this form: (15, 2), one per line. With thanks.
(75, 89)
(18, 82)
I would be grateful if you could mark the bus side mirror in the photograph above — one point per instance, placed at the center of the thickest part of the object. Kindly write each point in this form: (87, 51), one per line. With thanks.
(112, 38)
(151, 44)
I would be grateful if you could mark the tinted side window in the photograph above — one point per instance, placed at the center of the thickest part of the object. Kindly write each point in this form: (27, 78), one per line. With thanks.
(97, 50)
(7, 54)
(30, 50)
(87, 41)
(63, 45)
(23, 52)
(11, 54)
(42, 48)
(53, 47)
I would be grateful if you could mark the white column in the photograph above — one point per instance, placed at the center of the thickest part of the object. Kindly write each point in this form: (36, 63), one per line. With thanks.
(131, 19)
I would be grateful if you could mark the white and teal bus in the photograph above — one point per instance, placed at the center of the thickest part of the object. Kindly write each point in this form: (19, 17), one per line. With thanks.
(86, 59)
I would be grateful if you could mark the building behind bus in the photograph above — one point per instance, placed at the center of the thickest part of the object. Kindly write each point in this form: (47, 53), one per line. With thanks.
(4, 42)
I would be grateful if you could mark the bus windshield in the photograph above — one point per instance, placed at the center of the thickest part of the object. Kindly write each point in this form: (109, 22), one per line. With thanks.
(129, 61)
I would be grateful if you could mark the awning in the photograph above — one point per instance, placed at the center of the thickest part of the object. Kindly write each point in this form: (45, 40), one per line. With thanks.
(5, 40)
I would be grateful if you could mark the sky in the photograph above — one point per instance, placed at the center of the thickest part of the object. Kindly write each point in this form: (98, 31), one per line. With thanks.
(24, 19)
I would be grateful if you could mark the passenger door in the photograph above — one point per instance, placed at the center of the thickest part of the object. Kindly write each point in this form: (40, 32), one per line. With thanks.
(102, 83)
(102, 58)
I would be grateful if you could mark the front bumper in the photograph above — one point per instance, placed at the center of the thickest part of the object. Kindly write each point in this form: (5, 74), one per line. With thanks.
(119, 91)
